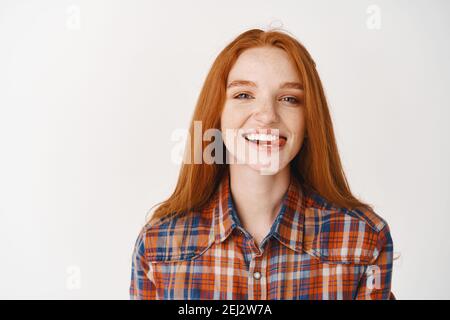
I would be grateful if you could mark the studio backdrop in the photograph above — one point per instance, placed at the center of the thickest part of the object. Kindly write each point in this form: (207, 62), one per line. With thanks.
(95, 95)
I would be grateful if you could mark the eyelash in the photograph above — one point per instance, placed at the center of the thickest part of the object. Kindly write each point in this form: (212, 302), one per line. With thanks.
(297, 101)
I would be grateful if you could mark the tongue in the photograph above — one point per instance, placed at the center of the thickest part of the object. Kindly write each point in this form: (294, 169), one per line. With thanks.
(279, 142)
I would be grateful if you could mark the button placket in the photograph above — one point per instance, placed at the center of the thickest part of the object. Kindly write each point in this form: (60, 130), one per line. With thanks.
(256, 269)
(257, 282)
(253, 284)
(262, 281)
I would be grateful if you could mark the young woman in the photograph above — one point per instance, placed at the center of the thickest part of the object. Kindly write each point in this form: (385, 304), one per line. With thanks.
(285, 226)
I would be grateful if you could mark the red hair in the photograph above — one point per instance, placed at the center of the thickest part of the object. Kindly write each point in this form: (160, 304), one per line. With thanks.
(317, 164)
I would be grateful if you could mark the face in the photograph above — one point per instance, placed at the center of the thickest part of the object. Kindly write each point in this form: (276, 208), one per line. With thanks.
(263, 113)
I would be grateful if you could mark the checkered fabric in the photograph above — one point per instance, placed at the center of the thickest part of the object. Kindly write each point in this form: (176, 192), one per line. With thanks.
(314, 250)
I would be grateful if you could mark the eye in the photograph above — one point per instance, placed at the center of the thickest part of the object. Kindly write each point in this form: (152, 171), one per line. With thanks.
(240, 95)
(293, 100)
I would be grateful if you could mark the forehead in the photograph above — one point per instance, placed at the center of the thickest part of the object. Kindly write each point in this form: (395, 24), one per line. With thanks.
(264, 65)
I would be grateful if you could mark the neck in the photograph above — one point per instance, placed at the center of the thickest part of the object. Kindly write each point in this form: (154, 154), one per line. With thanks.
(257, 197)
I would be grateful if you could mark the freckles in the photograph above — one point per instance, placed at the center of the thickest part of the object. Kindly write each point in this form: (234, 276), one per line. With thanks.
(297, 123)
(231, 121)
(237, 118)
(227, 116)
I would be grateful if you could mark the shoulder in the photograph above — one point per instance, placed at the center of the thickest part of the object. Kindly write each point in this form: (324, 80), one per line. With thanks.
(340, 235)
(366, 215)
(177, 237)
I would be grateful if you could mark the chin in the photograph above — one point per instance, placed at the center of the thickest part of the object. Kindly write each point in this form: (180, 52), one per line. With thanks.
(267, 169)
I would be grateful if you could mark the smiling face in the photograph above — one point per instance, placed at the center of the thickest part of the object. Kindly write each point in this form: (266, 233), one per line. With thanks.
(264, 109)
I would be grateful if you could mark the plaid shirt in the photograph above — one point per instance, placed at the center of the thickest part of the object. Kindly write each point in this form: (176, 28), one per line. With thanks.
(313, 251)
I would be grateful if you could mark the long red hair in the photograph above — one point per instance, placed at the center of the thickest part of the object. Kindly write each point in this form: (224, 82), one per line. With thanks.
(317, 164)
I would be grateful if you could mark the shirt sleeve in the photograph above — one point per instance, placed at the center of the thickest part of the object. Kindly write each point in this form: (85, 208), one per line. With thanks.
(141, 286)
(375, 284)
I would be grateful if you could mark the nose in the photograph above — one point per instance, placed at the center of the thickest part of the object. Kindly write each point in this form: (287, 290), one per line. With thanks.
(267, 114)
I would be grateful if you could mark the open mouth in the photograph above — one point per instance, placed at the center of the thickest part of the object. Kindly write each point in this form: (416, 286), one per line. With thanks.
(265, 139)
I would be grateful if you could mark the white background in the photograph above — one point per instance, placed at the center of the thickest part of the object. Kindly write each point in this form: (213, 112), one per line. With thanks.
(91, 91)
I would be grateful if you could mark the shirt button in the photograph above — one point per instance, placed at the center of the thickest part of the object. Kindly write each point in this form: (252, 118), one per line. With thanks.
(257, 275)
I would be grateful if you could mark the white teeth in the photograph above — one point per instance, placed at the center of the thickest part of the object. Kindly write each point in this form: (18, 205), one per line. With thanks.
(261, 137)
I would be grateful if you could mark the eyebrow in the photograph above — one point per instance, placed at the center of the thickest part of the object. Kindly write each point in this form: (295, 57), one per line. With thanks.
(247, 83)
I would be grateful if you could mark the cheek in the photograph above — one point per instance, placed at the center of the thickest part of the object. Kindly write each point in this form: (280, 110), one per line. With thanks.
(296, 125)
(232, 117)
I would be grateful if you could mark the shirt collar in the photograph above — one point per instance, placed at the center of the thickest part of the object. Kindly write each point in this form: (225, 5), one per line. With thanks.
(287, 226)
